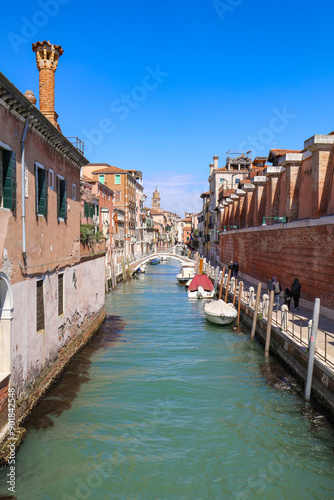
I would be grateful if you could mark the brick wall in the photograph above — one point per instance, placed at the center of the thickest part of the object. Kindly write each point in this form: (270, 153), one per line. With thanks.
(306, 253)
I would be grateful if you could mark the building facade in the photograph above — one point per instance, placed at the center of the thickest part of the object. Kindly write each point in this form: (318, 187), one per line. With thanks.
(44, 303)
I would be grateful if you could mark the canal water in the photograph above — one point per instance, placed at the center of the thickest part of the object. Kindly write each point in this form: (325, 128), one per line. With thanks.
(163, 405)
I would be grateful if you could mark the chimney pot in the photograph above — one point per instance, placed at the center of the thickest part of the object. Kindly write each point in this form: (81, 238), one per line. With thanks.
(215, 162)
(31, 96)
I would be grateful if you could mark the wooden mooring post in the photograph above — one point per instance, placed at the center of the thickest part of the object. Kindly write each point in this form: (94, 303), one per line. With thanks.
(227, 284)
(256, 309)
(270, 315)
(241, 286)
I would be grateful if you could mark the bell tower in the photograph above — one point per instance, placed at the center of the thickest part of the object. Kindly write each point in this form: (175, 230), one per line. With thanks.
(156, 200)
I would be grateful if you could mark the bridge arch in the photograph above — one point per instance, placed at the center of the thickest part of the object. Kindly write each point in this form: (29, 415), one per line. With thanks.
(168, 255)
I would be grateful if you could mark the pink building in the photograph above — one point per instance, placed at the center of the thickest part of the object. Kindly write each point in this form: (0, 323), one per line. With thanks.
(44, 299)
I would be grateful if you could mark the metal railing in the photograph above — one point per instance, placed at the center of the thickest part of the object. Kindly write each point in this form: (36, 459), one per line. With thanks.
(293, 325)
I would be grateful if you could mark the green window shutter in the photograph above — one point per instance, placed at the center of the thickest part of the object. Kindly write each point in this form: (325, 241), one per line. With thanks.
(58, 197)
(42, 191)
(36, 188)
(97, 210)
(46, 184)
(9, 179)
(101, 179)
(117, 178)
(91, 210)
(86, 209)
(63, 199)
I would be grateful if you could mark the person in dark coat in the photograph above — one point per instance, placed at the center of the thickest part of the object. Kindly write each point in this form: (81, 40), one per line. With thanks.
(230, 266)
(295, 292)
(235, 269)
(269, 286)
(276, 286)
(287, 297)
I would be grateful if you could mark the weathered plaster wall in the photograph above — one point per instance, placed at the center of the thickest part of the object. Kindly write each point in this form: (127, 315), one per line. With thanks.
(32, 353)
(47, 239)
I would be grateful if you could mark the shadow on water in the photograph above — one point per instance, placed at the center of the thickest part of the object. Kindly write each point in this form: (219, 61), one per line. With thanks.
(61, 395)
(279, 378)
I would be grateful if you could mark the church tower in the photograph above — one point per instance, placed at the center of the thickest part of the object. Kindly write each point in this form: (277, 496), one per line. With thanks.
(156, 200)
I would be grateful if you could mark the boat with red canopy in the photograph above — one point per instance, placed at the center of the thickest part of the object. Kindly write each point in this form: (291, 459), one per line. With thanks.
(201, 287)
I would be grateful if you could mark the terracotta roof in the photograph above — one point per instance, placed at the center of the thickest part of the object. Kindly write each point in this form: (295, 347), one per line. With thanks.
(282, 152)
(221, 169)
(207, 193)
(109, 170)
(155, 212)
(86, 179)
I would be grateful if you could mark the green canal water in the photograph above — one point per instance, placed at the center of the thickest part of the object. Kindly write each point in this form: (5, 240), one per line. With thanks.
(163, 405)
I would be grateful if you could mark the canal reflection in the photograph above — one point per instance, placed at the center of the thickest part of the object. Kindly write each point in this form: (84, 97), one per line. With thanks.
(61, 395)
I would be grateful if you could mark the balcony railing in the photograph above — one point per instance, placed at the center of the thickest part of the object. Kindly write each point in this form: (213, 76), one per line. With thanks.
(77, 143)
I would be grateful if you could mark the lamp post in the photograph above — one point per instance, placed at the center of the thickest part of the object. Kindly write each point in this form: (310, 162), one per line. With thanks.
(281, 219)
(229, 227)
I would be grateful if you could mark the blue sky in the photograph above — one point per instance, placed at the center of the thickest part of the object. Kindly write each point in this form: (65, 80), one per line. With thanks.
(163, 86)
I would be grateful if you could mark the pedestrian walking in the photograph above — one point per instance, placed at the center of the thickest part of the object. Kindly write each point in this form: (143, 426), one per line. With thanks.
(277, 291)
(230, 266)
(235, 269)
(287, 297)
(295, 292)
(269, 286)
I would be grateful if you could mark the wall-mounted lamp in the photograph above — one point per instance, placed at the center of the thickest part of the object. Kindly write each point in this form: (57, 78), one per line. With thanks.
(229, 227)
(281, 219)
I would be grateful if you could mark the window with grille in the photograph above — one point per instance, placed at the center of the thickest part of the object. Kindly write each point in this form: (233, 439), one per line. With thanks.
(117, 196)
(60, 294)
(40, 305)
(7, 179)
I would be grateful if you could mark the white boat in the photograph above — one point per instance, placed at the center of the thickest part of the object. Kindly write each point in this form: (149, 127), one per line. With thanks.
(187, 272)
(220, 313)
(142, 269)
(201, 288)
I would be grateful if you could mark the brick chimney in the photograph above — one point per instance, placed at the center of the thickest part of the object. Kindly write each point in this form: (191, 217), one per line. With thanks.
(47, 56)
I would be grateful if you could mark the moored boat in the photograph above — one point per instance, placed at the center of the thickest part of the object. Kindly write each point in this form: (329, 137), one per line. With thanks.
(186, 273)
(154, 262)
(201, 288)
(220, 313)
(142, 268)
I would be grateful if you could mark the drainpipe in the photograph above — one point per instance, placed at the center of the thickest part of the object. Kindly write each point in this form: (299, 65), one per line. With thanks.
(23, 191)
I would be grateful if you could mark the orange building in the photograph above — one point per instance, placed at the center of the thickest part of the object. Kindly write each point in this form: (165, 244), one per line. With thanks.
(123, 183)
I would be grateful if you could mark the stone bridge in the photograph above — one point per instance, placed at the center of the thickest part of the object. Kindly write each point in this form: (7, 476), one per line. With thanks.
(169, 255)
